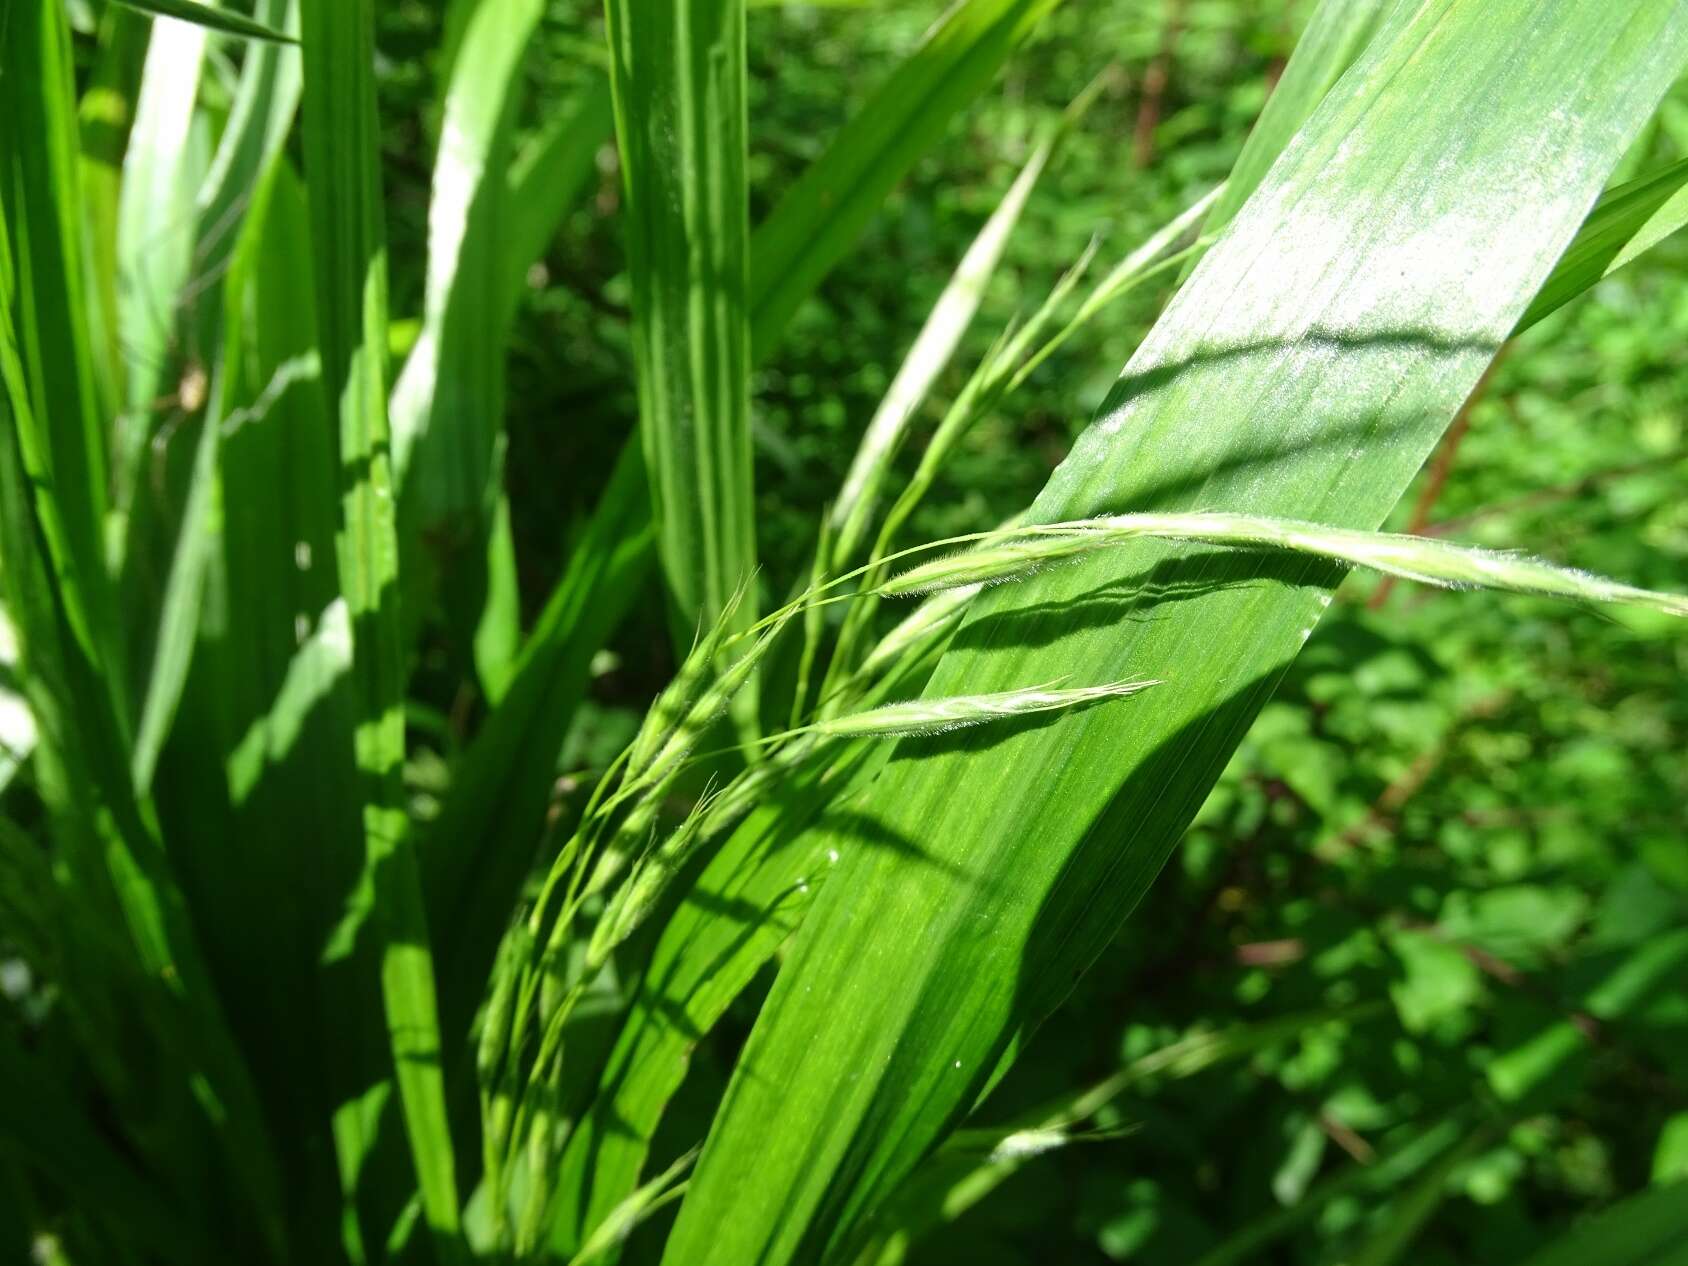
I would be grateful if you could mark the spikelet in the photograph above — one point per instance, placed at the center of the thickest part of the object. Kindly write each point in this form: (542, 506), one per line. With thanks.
(1016, 554)
(1424, 559)
(490, 1050)
(671, 708)
(930, 618)
(937, 716)
(703, 711)
(994, 561)
(630, 836)
(635, 899)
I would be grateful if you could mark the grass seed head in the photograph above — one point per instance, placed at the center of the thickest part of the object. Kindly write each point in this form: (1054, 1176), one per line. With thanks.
(954, 712)
(993, 562)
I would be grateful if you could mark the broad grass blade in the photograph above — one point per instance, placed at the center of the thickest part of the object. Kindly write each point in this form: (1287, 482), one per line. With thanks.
(1336, 34)
(342, 159)
(448, 402)
(38, 147)
(678, 72)
(1629, 220)
(1306, 369)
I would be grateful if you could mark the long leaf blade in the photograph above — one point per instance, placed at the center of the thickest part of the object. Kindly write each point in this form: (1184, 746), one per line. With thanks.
(678, 73)
(209, 17)
(342, 155)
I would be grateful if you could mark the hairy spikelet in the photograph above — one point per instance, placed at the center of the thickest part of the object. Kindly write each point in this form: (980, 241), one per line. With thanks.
(993, 561)
(635, 899)
(937, 716)
(674, 705)
(932, 617)
(1014, 555)
(706, 708)
(1424, 559)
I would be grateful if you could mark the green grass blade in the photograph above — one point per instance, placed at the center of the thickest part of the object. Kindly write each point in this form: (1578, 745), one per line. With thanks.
(1307, 369)
(105, 115)
(1627, 221)
(162, 168)
(265, 103)
(1650, 1229)
(38, 147)
(173, 644)
(213, 19)
(678, 73)
(551, 173)
(448, 402)
(341, 145)
(821, 215)
(1336, 34)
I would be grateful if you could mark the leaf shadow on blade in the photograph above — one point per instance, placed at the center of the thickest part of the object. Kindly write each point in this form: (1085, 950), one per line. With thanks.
(1135, 598)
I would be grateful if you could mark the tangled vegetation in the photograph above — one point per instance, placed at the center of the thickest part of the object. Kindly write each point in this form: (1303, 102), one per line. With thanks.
(601, 663)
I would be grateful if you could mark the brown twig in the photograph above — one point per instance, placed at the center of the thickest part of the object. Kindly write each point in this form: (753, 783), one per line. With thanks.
(1155, 81)
(1559, 492)
(1387, 807)
(1441, 466)
(1344, 1136)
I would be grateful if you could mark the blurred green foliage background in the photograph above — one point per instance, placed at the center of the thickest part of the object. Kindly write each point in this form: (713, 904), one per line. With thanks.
(1449, 867)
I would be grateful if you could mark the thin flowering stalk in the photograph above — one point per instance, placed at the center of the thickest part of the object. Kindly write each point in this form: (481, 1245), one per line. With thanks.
(1150, 259)
(938, 614)
(950, 317)
(814, 622)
